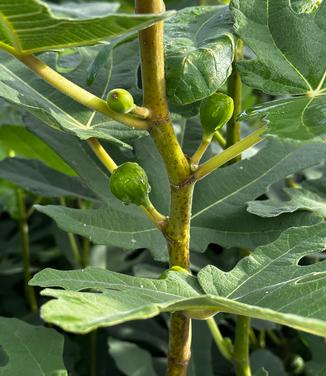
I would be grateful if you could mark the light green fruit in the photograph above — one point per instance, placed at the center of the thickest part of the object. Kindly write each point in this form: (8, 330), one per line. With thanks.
(120, 100)
(215, 111)
(129, 183)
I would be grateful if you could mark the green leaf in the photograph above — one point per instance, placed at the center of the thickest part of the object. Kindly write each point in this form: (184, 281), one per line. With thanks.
(25, 144)
(28, 27)
(294, 296)
(290, 53)
(33, 176)
(199, 49)
(30, 350)
(23, 88)
(299, 199)
(131, 359)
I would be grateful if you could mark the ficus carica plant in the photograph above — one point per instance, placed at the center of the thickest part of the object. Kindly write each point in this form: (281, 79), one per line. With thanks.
(191, 135)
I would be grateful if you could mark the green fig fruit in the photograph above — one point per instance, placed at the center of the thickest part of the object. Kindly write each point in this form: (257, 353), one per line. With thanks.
(215, 111)
(129, 183)
(120, 100)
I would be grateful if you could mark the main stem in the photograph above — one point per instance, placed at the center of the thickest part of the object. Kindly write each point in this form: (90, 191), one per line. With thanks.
(177, 230)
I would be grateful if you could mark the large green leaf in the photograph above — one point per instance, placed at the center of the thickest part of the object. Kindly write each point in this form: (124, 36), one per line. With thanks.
(27, 26)
(198, 51)
(20, 86)
(299, 199)
(294, 296)
(290, 53)
(33, 176)
(219, 207)
(30, 350)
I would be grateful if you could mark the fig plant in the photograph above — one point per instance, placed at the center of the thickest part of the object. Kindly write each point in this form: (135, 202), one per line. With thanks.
(147, 97)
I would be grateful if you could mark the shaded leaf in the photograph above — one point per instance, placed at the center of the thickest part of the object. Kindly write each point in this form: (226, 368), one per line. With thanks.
(219, 208)
(290, 60)
(29, 27)
(317, 346)
(131, 359)
(272, 364)
(30, 350)
(293, 296)
(25, 144)
(198, 51)
(117, 225)
(35, 177)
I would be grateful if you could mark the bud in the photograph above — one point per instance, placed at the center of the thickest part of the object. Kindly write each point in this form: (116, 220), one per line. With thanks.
(129, 183)
(120, 100)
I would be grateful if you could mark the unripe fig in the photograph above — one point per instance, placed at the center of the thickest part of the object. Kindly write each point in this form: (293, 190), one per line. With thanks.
(215, 111)
(129, 183)
(120, 100)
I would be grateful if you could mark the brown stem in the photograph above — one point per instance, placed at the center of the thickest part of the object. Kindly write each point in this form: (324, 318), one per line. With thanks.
(179, 345)
(177, 231)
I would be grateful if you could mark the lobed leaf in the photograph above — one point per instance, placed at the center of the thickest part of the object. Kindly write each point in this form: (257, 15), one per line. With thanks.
(293, 296)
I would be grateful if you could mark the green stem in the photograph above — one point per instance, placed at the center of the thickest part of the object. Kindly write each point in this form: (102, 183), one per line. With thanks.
(72, 240)
(195, 159)
(220, 139)
(25, 251)
(241, 347)
(218, 338)
(235, 90)
(229, 154)
(79, 94)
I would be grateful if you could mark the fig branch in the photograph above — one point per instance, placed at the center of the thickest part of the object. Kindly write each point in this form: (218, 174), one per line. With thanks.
(177, 229)
(229, 154)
